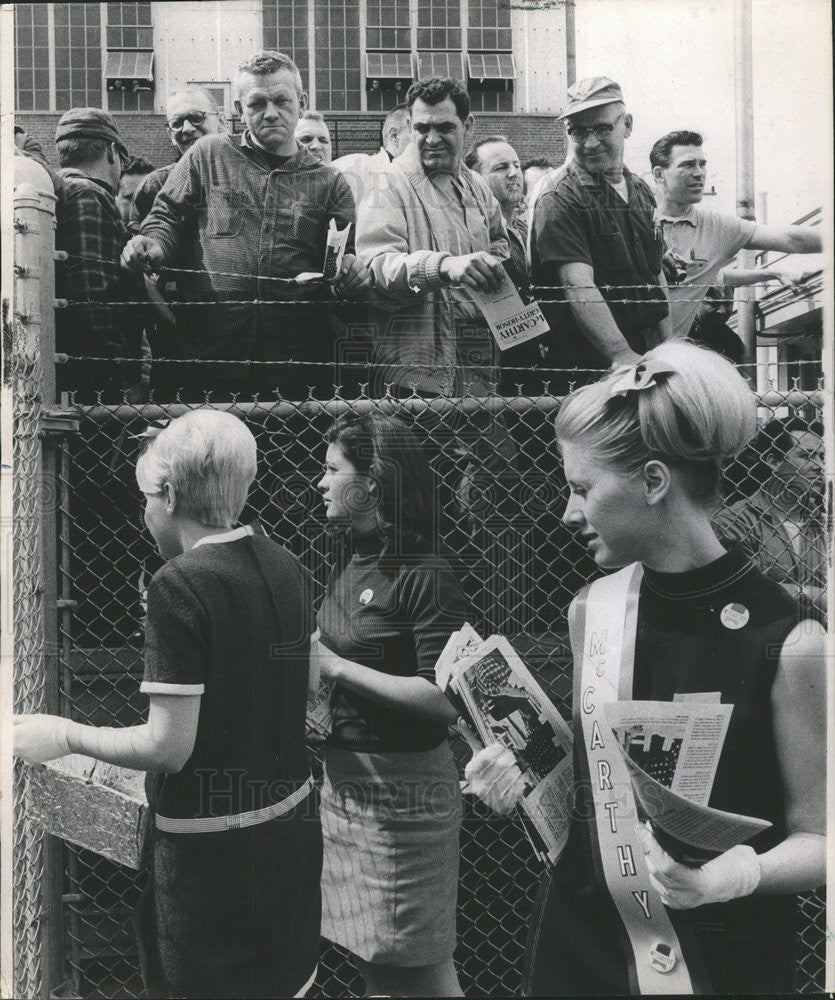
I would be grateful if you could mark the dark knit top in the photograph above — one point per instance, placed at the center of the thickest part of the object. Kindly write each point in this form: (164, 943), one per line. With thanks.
(393, 613)
(231, 621)
(683, 646)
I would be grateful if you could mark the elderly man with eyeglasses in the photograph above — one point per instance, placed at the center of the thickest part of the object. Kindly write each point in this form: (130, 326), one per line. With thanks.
(190, 114)
(592, 234)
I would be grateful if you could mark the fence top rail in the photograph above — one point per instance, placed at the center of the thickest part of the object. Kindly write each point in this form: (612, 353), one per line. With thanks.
(546, 404)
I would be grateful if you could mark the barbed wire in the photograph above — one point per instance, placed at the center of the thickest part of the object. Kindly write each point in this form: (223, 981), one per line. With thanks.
(292, 303)
(293, 282)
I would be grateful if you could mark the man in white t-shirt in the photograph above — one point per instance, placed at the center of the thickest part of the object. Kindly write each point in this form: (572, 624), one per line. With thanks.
(706, 242)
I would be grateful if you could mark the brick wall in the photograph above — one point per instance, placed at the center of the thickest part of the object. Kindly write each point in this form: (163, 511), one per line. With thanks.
(145, 134)
(530, 135)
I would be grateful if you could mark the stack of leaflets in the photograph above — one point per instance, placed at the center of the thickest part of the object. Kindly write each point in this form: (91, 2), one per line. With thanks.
(496, 694)
(671, 750)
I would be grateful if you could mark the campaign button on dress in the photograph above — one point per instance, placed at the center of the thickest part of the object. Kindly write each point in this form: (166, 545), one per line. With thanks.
(734, 616)
(662, 957)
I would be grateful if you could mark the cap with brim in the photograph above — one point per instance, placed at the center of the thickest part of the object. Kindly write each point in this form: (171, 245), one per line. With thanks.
(90, 123)
(592, 92)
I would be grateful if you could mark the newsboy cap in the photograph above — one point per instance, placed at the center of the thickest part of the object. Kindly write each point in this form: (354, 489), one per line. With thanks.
(90, 123)
(590, 93)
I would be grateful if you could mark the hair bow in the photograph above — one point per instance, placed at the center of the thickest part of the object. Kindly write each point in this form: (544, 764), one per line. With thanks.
(642, 375)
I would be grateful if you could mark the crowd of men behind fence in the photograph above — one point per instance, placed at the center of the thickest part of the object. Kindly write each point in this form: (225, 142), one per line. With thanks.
(193, 266)
(185, 279)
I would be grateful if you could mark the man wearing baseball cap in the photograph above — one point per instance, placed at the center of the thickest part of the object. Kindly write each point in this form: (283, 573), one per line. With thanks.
(91, 231)
(592, 233)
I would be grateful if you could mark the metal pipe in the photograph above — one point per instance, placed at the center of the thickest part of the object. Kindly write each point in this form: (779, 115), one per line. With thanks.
(570, 45)
(762, 218)
(745, 163)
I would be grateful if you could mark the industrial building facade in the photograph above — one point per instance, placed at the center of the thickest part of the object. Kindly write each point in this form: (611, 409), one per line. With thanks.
(357, 59)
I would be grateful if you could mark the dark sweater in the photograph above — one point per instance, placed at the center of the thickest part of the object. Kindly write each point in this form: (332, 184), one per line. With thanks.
(231, 621)
(393, 614)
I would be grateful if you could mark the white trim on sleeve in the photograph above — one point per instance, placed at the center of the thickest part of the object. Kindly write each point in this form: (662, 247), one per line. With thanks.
(161, 687)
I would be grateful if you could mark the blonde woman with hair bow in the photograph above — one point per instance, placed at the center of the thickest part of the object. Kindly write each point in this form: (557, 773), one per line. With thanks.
(679, 618)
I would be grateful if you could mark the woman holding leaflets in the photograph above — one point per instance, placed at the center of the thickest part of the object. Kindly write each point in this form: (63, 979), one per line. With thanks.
(684, 619)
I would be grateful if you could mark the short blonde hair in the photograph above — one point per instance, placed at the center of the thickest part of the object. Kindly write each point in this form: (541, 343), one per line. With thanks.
(209, 458)
(265, 63)
(694, 418)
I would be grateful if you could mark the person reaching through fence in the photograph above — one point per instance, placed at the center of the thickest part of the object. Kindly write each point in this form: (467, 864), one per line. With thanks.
(683, 619)
(391, 804)
(246, 214)
(233, 906)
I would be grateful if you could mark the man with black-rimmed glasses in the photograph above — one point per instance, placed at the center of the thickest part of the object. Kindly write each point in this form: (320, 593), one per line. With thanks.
(190, 114)
(592, 234)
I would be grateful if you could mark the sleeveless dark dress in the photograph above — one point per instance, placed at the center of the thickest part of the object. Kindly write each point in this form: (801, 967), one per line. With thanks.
(576, 940)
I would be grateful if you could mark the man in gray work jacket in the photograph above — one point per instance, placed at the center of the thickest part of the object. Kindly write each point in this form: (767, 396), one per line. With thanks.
(248, 213)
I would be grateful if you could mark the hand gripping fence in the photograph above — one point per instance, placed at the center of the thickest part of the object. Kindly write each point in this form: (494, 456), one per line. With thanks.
(78, 610)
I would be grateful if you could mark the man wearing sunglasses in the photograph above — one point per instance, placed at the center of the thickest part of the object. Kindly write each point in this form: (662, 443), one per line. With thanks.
(190, 114)
(593, 236)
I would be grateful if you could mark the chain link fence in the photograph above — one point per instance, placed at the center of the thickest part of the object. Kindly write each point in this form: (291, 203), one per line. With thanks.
(499, 515)
(519, 566)
(24, 373)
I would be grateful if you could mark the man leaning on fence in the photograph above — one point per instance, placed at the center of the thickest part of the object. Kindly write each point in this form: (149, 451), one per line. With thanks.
(249, 213)
(95, 328)
(430, 230)
(592, 232)
(704, 242)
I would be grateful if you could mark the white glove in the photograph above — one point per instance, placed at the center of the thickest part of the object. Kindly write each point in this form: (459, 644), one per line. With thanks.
(494, 776)
(37, 738)
(731, 875)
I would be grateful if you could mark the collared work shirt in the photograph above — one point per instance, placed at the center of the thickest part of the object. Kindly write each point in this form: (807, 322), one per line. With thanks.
(241, 218)
(706, 242)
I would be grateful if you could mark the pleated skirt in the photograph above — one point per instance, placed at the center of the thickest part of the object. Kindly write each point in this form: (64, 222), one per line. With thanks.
(391, 824)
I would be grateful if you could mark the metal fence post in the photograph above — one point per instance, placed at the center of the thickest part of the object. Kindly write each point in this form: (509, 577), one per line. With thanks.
(37, 874)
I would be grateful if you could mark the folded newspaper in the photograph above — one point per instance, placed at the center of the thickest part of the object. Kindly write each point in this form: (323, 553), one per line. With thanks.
(672, 750)
(497, 695)
(511, 320)
(319, 720)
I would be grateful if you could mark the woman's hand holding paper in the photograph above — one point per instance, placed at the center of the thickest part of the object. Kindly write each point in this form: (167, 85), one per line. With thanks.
(731, 875)
(494, 776)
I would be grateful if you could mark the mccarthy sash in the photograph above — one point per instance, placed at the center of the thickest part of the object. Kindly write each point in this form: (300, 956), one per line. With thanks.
(603, 624)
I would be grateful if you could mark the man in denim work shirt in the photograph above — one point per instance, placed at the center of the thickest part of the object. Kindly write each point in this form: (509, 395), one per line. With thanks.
(244, 211)
(592, 232)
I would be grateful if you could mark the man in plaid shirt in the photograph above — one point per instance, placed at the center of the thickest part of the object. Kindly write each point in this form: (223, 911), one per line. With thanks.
(91, 231)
